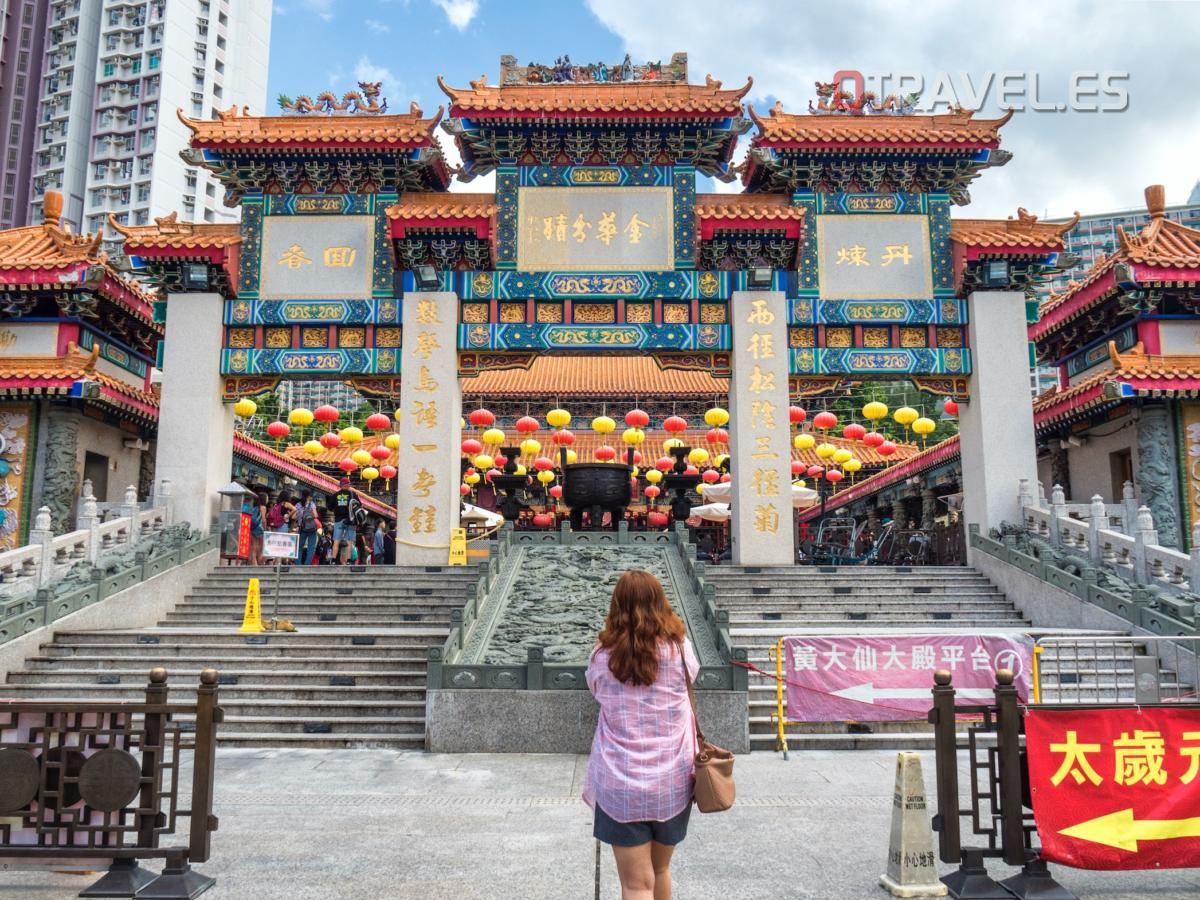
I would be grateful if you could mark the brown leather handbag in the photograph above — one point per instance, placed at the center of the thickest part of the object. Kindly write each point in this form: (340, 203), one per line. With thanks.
(715, 790)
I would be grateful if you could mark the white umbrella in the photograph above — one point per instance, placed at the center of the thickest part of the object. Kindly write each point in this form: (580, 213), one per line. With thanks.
(711, 512)
(489, 519)
(723, 492)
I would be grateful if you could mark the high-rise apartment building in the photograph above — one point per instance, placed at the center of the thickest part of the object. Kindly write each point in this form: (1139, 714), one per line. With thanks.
(22, 37)
(114, 73)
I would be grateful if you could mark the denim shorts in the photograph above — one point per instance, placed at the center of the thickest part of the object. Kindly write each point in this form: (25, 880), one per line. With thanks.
(634, 834)
(343, 531)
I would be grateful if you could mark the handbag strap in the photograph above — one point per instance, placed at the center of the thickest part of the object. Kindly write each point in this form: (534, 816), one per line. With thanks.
(691, 694)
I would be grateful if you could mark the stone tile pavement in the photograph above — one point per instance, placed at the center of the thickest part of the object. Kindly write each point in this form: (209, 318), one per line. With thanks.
(364, 824)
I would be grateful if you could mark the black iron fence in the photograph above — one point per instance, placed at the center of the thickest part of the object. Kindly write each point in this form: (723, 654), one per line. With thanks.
(101, 781)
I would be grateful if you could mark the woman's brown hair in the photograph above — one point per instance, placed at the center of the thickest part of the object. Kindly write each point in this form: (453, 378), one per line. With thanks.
(638, 618)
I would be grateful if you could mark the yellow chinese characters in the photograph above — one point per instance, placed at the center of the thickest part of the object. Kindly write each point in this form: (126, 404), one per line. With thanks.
(423, 483)
(340, 257)
(294, 257)
(857, 255)
(561, 227)
(1135, 759)
(424, 414)
(423, 520)
(427, 313)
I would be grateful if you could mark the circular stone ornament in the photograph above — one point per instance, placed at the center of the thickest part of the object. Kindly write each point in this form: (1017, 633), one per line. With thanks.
(110, 780)
(19, 775)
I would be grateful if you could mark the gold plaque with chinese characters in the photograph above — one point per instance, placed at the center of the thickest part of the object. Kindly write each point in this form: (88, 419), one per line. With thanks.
(317, 257)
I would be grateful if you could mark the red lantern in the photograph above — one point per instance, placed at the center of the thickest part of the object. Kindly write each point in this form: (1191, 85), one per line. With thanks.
(637, 418)
(854, 432)
(824, 421)
(796, 415)
(797, 467)
(463, 489)
(675, 424)
(710, 476)
(652, 491)
(691, 470)
(637, 457)
(347, 465)
(887, 448)
(500, 460)
(873, 439)
(326, 414)
(555, 491)
(380, 452)
(387, 472)
(725, 479)
(329, 440)
(717, 436)
(815, 471)
(950, 407)
(378, 422)
(527, 425)
(656, 519)
(606, 453)
(664, 464)
(278, 430)
(543, 463)
(564, 437)
(481, 418)
(543, 520)
(490, 474)
(472, 447)
(834, 475)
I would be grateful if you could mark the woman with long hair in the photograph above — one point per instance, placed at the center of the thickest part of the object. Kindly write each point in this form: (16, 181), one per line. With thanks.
(640, 773)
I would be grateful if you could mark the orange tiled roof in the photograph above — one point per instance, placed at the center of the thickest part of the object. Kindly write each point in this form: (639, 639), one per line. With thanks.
(1023, 231)
(595, 376)
(1162, 242)
(960, 127)
(241, 128)
(1136, 363)
(437, 205)
(597, 99)
(169, 233)
(747, 206)
(75, 365)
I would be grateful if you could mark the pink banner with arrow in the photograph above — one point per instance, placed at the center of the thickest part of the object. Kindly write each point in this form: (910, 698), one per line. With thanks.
(880, 678)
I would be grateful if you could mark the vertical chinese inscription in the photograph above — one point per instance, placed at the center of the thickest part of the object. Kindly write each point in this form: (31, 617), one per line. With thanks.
(761, 447)
(427, 500)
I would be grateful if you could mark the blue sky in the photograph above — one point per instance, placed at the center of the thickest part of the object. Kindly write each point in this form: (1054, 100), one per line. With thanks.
(1063, 161)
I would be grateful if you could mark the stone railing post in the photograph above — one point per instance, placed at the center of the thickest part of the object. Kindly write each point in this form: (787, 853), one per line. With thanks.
(129, 510)
(89, 520)
(1058, 509)
(1194, 570)
(85, 490)
(162, 498)
(1144, 536)
(1024, 495)
(1097, 519)
(42, 534)
(1041, 496)
(1131, 508)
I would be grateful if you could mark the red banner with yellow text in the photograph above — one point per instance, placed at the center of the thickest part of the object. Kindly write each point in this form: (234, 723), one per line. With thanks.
(1116, 788)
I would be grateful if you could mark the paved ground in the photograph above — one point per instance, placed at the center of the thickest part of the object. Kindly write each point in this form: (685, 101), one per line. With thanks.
(360, 824)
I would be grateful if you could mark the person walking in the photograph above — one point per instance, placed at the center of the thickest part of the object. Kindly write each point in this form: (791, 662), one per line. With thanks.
(258, 518)
(345, 507)
(308, 524)
(377, 543)
(641, 771)
(279, 514)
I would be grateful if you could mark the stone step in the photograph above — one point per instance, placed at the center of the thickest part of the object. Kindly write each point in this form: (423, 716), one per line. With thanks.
(391, 726)
(388, 676)
(300, 620)
(744, 594)
(439, 592)
(340, 741)
(398, 636)
(244, 691)
(337, 604)
(830, 610)
(232, 663)
(890, 741)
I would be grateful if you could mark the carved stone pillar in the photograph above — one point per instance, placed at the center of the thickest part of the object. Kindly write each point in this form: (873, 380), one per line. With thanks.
(145, 485)
(928, 508)
(899, 513)
(1060, 470)
(1157, 471)
(60, 477)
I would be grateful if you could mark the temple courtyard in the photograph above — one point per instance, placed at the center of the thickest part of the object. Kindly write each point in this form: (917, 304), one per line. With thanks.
(300, 824)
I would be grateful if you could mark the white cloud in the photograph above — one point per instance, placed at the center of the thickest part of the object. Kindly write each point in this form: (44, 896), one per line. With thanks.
(1061, 161)
(365, 70)
(322, 8)
(459, 12)
(377, 26)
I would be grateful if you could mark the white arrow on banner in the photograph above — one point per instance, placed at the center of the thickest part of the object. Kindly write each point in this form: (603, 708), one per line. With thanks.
(868, 693)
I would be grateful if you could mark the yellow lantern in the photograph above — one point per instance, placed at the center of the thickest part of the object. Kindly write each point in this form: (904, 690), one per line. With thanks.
(637, 470)
(841, 455)
(392, 442)
(804, 441)
(370, 473)
(530, 447)
(483, 462)
(472, 479)
(521, 470)
(924, 426)
(362, 457)
(825, 451)
(799, 482)
(698, 456)
(671, 443)
(396, 416)
(572, 456)
(875, 411)
(700, 488)
(313, 448)
(558, 418)
(351, 435)
(906, 415)
(493, 437)
(301, 417)
(852, 465)
(545, 477)
(654, 476)
(716, 417)
(721, 460)
(603, 425)
(245, 408)
(633, 436)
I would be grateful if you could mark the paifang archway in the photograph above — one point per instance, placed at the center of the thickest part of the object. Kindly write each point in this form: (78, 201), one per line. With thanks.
(838, 262)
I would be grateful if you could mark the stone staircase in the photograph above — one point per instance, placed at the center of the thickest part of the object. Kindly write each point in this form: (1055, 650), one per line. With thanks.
(353, 675)
(765, 604)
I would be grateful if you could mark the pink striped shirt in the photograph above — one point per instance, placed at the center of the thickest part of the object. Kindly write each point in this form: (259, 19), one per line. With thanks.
(641, 768)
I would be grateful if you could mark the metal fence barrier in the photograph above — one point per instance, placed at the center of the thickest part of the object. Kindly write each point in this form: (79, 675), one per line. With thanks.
(1115, 669)
(101, 781)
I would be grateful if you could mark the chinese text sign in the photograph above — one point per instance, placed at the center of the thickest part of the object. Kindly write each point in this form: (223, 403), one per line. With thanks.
(871, 257)
(317, 257)
(599, 229)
